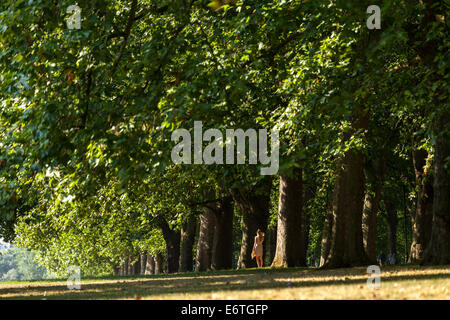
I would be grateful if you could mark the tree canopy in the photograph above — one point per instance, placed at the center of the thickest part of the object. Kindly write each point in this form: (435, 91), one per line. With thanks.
(86, 118)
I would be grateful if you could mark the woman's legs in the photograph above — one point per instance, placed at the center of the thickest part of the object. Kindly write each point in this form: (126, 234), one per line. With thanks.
(259, 261)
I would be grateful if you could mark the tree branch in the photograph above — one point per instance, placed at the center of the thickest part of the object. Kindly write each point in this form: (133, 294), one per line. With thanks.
(270, 54)
(131, 19)
(88, 92)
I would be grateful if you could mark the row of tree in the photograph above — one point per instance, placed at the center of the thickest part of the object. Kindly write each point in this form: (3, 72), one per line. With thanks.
(87, 115)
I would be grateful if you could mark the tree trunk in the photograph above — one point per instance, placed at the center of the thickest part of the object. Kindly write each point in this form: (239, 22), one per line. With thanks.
(392, 237)
(423, 218)
(123, 268)
(438, 250)
(125, 265)
(158, 263)
(326, 236)
(306, 224)
(223, 235)
(150, 266)
(392, 225)
(143, 261)
(304, 242)
(347, 247)
(371, 208)
(137, 265)
(206, 239)
(289, 233)
(116, 271)
(187, 242)
(272, 243)
(255, 212)
(130, 266)
(172, 239)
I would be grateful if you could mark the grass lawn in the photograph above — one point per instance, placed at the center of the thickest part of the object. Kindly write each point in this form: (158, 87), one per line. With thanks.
(397, 282)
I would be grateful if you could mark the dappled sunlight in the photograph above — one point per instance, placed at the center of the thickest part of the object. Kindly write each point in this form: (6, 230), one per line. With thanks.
(409, 282)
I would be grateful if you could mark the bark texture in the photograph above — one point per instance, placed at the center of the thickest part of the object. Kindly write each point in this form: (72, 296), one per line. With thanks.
(391, 226)
(122, 270)
(130, 266)
(347, 247)
(172, 239)
(116, 271)
(438, 250)
(137, 265)
(223, 236)
(150, 265)
(326, 237)
(158, 263)
(205, 239)
(271, 243)
(143, 263)
(187, 242)
(306, 223)
(289, 233)
(370, 211)
(423, 218)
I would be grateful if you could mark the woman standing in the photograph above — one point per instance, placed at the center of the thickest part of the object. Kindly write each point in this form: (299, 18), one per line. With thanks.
(258, 248)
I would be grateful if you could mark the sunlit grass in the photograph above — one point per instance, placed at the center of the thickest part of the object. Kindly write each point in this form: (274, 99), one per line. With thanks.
(397, 282)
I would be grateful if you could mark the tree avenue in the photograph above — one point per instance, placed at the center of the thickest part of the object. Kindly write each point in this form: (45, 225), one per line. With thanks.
(93, 173)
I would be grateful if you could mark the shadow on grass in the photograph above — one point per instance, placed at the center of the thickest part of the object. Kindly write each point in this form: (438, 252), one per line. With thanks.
(188, 283)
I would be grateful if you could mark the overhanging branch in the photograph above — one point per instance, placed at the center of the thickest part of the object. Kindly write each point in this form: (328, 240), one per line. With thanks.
(126, 35)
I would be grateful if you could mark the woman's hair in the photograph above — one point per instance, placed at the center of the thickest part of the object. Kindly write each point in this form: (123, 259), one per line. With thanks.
(258, 231)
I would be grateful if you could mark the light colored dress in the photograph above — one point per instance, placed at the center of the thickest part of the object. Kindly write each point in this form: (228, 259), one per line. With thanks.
(258, 246)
